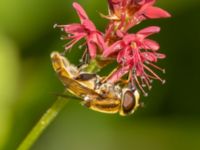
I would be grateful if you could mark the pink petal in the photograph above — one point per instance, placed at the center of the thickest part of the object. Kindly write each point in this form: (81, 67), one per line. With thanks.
(80, 11)
(111, 4)
(120, 72)
(89, 25)
(114, 1)
(120, 56)
(150, 44)
(74, 40)
(147, 4)
(149, 56)
(149, 31)
(120, 33)
(76, 36)
(74, 28)
(124, 56)
(160, 56)
(150, 2)
(129, 38)
(100, 41)
(155, 12)
(113, 48)
(91, 48)
(139, 69)
(140, 2)
(109, 30)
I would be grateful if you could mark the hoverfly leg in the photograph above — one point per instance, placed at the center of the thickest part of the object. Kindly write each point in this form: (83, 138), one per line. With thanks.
(63, 53)
(84, 59)
(132, 86)
(85, 76)
(141, 104)
(86, 102)
(97, 83)
(67, 95)
(123, 82)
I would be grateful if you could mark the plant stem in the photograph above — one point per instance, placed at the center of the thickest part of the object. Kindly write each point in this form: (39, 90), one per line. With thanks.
(42, 124)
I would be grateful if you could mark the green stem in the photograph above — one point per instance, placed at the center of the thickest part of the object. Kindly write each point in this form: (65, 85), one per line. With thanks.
(42, 124)
(92, 67)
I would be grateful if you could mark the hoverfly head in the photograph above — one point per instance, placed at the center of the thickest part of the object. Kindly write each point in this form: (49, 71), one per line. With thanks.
(129, 101)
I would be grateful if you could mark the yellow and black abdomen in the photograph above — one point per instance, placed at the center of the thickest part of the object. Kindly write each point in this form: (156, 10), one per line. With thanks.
(104, 105)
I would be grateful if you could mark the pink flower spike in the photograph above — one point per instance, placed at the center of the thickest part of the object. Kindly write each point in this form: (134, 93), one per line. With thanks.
(131, 12)
(134, 53)
(138, 39)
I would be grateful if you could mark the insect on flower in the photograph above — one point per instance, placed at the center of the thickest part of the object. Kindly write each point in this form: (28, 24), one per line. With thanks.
(101, 97)
(136, 56)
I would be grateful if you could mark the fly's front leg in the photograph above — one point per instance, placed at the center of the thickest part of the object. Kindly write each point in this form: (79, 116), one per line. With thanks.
(84, 59)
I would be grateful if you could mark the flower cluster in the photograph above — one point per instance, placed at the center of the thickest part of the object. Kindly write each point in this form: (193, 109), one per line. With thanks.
(135, 53)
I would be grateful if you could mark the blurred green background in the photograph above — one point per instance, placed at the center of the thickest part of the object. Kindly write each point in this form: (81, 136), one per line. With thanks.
(170, 119)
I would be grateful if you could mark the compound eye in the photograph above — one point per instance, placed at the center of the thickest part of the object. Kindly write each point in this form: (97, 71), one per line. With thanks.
(129, 102)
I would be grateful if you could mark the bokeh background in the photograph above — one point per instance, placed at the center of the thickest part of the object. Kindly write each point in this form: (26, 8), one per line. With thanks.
(170, 119)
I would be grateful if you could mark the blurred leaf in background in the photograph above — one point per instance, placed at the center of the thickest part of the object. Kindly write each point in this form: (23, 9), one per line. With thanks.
(9, 75)
(170, 119)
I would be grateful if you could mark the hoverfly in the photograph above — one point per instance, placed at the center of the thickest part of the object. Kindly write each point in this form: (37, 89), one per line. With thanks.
(101, 97)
